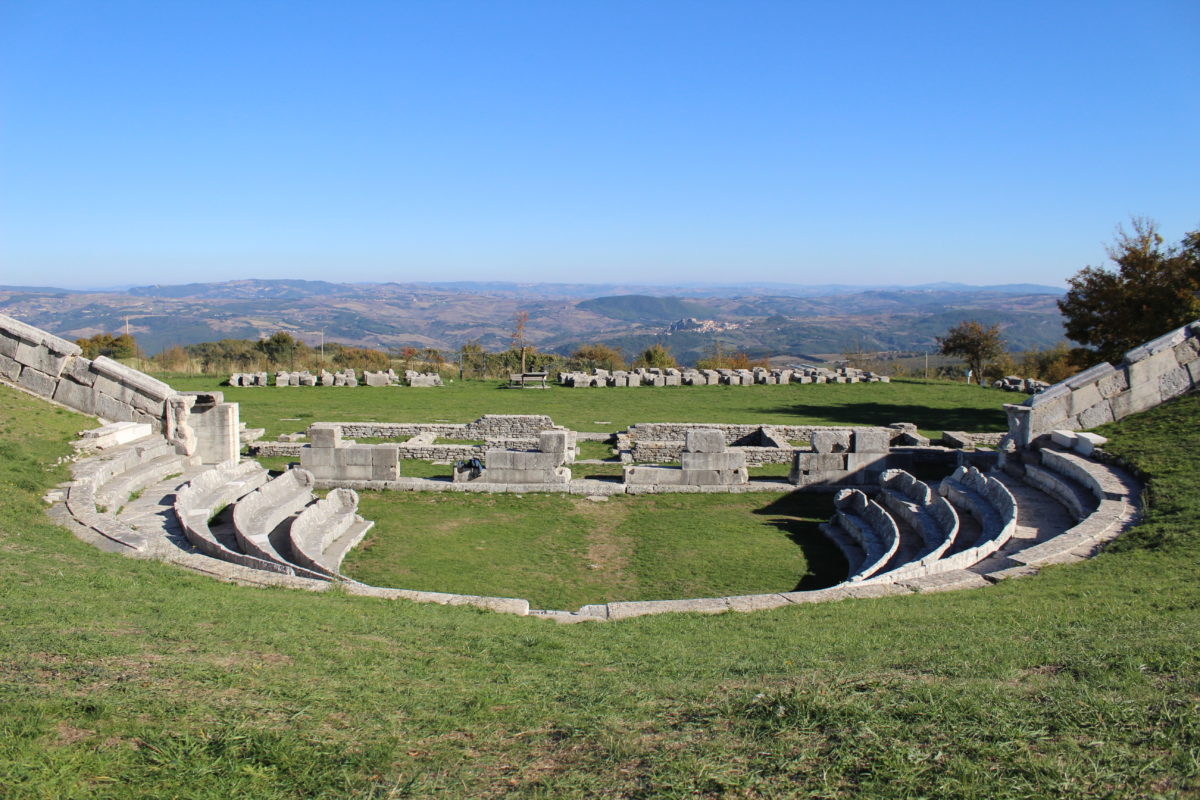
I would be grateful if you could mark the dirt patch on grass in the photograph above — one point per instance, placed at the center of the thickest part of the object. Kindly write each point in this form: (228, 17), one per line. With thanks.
(607, 550)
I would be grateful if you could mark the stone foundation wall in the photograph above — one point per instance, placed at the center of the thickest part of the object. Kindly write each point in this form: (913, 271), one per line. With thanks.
(1147, 376)
(517, 427)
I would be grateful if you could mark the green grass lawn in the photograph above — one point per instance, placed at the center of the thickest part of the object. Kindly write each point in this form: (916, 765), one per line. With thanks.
(564, 551)
(122, 678)
(933, 405)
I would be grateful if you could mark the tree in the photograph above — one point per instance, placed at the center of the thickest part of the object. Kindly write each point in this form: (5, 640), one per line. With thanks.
(593, 356)
(656, 355)
(974, 343)
(280, 348)
(1152, 290)
(106, 344)
(518, 337)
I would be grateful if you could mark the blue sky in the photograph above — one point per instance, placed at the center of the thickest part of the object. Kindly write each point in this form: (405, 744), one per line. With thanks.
(577, 141)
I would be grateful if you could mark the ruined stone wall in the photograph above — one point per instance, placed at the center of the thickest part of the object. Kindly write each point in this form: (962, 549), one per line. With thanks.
(1147, 376)
(523, 427)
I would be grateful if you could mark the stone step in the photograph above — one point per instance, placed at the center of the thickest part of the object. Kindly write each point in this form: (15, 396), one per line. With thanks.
(117, 491)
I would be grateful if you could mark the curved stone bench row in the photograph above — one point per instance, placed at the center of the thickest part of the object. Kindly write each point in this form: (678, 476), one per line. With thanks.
(262, 518)
(103, 482)
(325, 531)
(198, 501)
(866, 524)
(927, 513)
(991, 503)
(1108, 495)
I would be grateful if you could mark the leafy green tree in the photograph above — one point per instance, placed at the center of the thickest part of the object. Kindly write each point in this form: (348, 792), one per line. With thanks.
(107, 344)
(656, 355)
(1151, 291)
(974, 343)
(280, 348)
(597, 356)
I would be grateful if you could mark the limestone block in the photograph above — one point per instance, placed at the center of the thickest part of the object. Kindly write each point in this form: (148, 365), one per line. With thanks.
(517, 459)
(114, 370)
(1063, 438)
(653, 476)
(1139, 397)
(73, 395)
(851, 501)
(1085, 443)
(1113, 384)
(1193, 369)
(113, 410)
(324, 434)
(714, 477)
(41, 358)
(825, 440)
(308, 380)
(872, 440)
(314, 458)
(10, 368)
(356, 455)
(553, 441)
(79, 369)
(36, 382)
(866, 462)
(704, 440)
(1187, 350)
(1174, 383)
(1083, 397)
(821, 462)
(149, 405)
(375, 379)
(1098, 414)
(1152, 367)
(671, 380)
(704, 461)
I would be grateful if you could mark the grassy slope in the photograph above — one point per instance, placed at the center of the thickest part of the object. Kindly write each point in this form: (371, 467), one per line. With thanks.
(121, 678)
(933, 405)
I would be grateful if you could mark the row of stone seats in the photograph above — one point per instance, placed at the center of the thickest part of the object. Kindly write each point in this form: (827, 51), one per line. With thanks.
(866, 534)
(197, 502)
(990, 502)
(102, 484)
(325, 531)
(927, 513)
(1102, 499)
(262, 519)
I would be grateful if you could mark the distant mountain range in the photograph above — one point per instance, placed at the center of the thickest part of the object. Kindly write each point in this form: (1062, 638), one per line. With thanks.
(760, 318)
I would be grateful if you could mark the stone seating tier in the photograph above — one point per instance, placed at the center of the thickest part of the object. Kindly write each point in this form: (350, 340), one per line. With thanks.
(325, 531)
(261, 518)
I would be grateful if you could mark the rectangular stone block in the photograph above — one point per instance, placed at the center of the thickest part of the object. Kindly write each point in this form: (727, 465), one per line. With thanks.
(704, 440)
(79, 369)
(355, 455)
(1099, 414)
(703, 461)
(1139, 397)
(872, 440)
(1152, 367)
(1166, 342)
(553, 441)
(37, 381)
(72, 395)
(129, 376)
(325, 436)
(10, 368)
(830, 441)
(1113, 384)
(313, 458)
(869, 462)
(822, 462)
(113, 410)
(653, 476)
(1174, 383)
(41, 359)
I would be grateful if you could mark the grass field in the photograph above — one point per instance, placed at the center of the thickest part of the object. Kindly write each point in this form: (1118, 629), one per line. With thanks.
(128, 679)
(933, 405)
(564, 551)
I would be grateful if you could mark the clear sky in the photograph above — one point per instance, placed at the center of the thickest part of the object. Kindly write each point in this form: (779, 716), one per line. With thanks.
(165, 141)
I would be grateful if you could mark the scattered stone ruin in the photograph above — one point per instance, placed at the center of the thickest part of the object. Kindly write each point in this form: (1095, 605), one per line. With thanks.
(345, 377)
(898, 534)
(1015, 383)
(703, 462)
(545, 465)
(654, 376)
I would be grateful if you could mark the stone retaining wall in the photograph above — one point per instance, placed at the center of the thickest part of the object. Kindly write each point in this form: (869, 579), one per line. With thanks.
(1147, 376)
